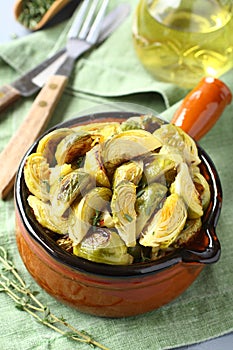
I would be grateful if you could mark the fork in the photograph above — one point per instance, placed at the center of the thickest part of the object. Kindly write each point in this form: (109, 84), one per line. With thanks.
(82, 36)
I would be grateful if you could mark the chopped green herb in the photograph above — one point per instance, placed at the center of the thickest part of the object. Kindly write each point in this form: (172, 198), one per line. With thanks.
(128, 217)
(32, 12)
(140, 193)
(80, 161)
(96, 218)
(47, 185)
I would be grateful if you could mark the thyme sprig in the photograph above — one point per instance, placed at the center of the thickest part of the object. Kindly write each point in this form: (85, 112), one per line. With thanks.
(26, 300)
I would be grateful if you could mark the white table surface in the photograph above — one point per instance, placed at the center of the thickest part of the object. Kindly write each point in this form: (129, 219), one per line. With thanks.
(9, 30)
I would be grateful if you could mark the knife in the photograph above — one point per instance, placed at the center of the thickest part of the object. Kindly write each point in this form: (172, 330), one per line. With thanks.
(24, 85)
(44, 105)
(33, 80)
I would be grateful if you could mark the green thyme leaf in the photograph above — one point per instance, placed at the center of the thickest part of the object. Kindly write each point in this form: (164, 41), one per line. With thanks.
(128, 217)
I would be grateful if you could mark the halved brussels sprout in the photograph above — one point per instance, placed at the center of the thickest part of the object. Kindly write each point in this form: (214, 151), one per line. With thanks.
(131, 123)
(88, 210)
(73, 146)
(203, 188)
(148, 199)
(126, 146)
(123, 211)
(146, 122)
(173, 136)
(159, 166)
(151, 122)
(190, 229)
(48, 144)
(166, 224)
(45, 216)
(64, 191)
(94, 166)
(103, 246)
(184, 187)
(36, 175)
(131, 171)
(103, 130)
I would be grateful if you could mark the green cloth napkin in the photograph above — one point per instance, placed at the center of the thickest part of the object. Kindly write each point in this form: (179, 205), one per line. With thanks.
(113, 74)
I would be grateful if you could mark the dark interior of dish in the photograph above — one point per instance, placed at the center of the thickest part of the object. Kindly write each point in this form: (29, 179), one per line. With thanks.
(204, 249)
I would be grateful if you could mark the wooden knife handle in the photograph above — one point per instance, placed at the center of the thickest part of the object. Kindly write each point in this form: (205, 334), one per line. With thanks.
(8, 95)
(34, 123)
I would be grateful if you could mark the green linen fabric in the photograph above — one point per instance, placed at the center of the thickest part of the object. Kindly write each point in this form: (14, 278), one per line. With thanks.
(113, 74)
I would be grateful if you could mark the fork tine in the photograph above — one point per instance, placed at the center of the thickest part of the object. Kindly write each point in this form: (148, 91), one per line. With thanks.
(87, 23)
(77, 24)
(96, 26)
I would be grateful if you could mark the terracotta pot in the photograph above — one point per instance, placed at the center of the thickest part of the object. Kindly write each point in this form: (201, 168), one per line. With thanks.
(117, 291)
(114, 291)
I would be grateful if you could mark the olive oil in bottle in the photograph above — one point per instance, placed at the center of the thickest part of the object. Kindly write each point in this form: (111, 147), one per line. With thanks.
(180, 41)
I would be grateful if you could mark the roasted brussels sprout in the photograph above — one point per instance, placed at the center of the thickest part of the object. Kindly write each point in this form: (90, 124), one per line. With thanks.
(123, 211)
(151, 122)
(94, 166)
(101, 131)
(48, 144)
(132, 123)
(203, 189)
(166, 224)
(159, 166)
(131, 171)
(184, 187)
(103, 246)
(148, 200)
(45, 216)
(64, 191)
(172, 136)
(73, 146)
(87, 212)
(189, 232)
(190, 229)
(146, 122)
(126, 146)
(36, 175)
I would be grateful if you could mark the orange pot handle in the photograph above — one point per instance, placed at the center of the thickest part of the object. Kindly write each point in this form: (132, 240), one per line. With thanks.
(202, 107)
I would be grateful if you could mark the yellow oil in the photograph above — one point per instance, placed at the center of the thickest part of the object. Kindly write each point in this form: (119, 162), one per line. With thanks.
(182, 41)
